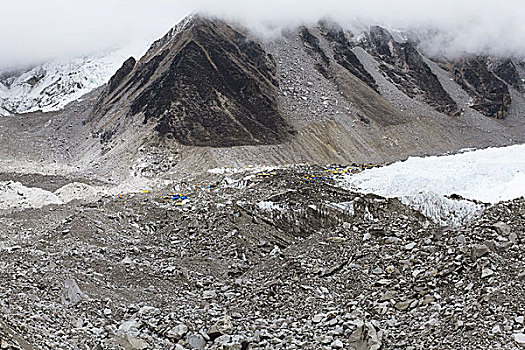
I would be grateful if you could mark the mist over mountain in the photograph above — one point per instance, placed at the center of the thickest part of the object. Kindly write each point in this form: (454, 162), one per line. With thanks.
(72, 28)
(449, 27)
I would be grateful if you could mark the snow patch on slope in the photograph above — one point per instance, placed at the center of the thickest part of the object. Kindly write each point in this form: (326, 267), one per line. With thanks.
(16, 195)
(77, 190)
(490, 176)
(51, 86)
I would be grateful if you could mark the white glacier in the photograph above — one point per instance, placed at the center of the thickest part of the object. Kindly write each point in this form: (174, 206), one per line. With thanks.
(489, 176)
(52, 85)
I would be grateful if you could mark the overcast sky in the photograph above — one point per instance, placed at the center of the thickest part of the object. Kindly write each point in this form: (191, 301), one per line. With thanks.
(36, 30)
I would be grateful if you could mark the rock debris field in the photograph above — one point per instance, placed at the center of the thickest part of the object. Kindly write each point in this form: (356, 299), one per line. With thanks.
(283, 259)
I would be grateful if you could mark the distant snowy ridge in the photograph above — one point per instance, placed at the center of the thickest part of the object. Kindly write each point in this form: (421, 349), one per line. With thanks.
(51, 86)
(489, 176)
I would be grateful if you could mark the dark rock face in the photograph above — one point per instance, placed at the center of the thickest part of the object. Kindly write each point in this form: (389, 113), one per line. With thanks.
(406, 68)
(207, 85)
(122, 73)
(35, 79)
(342, 50)
(126, 84)
(311, 44)
(344, 56)
(491, 95)
(507, 71)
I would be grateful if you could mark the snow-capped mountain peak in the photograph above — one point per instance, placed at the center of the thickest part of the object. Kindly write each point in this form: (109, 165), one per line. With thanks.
(52, 85)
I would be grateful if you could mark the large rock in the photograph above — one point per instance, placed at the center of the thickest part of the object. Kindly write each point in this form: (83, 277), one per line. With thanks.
(196, 341)
(519, 338)
(222, 327)
(72, 293)
(365, 338)
(178, 331)
(478, 250)
(502, 228)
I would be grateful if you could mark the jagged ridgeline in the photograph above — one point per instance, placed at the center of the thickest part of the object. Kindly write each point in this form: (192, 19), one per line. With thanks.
(206, 83)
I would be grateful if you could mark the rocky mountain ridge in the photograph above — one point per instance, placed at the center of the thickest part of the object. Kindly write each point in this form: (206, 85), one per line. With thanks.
(207, 85)
(486, 81)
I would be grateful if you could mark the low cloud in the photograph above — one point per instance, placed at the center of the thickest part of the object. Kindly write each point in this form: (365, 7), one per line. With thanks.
(32, 31)
(447, 27)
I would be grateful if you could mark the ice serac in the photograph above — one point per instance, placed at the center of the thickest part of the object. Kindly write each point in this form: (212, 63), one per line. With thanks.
(490, 95)
(404, 66)
(203, 84)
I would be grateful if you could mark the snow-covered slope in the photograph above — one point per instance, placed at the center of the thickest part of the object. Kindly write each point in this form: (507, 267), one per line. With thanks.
(490, 176)
(53, 85)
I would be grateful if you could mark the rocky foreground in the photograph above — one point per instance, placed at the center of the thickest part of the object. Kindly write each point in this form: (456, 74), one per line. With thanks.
(273, 260)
